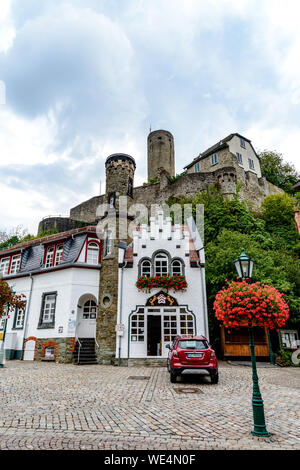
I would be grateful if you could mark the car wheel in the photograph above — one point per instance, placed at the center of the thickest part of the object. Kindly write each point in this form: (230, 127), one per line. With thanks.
(214, 378)
(172, 377)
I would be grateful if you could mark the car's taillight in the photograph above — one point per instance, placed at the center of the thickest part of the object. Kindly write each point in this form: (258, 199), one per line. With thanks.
(212, 354)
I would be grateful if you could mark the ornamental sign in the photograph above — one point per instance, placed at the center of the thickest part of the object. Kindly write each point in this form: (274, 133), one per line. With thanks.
(161, 298)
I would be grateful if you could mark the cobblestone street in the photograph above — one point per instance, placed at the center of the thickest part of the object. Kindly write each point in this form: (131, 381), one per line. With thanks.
(56, 406)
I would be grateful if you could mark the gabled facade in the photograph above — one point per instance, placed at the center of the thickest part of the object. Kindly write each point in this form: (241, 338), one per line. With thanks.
(149, 319)
(217, 156)
(59, 276)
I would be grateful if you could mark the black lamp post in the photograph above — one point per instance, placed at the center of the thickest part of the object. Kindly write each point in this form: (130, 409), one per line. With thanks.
(244, 266)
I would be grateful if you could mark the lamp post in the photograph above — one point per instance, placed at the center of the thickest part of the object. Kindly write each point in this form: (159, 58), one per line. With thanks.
(244, 266)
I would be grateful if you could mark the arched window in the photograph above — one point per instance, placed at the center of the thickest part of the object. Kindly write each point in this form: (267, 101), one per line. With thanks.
(89, 310)
(161, 264)
(59, 254)
(146, 268)
(92, 253)
(176, 268)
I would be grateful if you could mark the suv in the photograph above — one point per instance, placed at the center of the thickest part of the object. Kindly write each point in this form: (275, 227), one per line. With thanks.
(191, 352)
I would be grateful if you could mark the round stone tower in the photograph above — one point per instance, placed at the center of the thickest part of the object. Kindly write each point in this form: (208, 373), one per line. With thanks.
(160, 153)
(120, 170)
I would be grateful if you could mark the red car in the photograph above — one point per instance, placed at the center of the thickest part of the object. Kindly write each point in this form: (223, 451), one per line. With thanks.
(194, 353)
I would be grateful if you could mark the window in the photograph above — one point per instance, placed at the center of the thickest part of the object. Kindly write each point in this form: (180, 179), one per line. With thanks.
(239, 158)
(170, 327)
(243, 143)
(19, 318)
(4, 266)
(92, 256)
(161, 265)
(59, 254)
(49, 257)
(137, 333)
(186, 324)
(197, 167)
(251, 164)
(146, 268)
(108, 243)
(176, 268)
(214, 159)
(192, 344)
(89, 310)
(47, 317)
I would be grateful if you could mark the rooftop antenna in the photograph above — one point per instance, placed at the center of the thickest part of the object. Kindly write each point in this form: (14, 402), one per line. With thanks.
(150, 128)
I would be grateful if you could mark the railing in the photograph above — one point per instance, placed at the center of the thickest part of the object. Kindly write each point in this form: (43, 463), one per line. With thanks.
(79, 347)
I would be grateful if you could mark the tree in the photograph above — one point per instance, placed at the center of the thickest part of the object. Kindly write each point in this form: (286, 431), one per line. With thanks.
(277, 171)
(7, 297)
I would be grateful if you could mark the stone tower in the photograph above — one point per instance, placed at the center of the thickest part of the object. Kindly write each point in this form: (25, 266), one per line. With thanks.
(120, 170)
(160, 153)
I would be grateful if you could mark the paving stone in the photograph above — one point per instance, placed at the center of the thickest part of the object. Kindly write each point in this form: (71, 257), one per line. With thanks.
(59, 406)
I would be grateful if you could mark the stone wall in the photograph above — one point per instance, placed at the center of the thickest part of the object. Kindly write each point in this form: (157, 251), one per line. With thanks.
(61, 224)
(63, 348)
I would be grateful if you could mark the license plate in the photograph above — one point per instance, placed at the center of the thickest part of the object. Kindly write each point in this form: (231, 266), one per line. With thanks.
(194, 355)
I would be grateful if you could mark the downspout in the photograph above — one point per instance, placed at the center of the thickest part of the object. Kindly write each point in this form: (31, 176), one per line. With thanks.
(204, 299)
(120, 308)
(28, 310)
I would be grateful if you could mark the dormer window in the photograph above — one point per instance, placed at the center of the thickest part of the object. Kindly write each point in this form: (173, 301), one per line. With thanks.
(4, 266)
(15, 264)
(59, 254)
(197, 167)
(49, 257)
(92, 253)
(214, 159)
(243, 143)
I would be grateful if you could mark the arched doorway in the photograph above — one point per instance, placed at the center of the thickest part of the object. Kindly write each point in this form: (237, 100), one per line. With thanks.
(86, 316)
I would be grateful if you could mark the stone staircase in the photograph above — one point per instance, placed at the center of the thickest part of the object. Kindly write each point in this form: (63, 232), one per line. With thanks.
(85, 354)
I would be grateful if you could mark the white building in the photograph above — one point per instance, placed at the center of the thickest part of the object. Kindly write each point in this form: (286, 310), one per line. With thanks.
(149, 320)
(59, 276)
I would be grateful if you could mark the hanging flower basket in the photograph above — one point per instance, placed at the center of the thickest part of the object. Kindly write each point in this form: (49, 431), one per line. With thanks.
(254, 304)
(177, 283)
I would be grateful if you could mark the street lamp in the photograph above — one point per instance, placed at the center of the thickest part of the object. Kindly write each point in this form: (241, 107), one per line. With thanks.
(244, 266)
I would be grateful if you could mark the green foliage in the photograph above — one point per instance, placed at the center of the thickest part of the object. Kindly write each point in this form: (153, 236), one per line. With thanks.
(284, 358)
(22, 238)
(270, 239)
(176, 177)
(153, 180)
(277, 171)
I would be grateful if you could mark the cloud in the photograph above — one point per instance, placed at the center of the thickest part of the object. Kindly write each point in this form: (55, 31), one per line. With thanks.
(87, 78)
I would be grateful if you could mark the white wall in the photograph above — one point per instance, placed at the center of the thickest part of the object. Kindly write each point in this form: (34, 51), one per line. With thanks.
(70, 284)
(131, 297)
(235, 146)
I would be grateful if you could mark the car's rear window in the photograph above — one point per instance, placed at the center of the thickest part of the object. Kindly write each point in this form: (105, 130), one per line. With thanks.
(192, 344)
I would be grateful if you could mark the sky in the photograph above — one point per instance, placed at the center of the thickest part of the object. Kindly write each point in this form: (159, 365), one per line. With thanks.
(82, 79)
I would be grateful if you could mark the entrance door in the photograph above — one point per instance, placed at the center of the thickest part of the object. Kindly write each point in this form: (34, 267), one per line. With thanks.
(29, 350)
(154, 335)
(86, 326)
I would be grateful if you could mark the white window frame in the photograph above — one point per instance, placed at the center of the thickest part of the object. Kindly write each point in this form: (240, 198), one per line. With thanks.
(178, 263)
(49, 257)
(239, 157)
(89, 310)
(92, 256)
(161, 265)
(19, 318)
(137, 328)
(251, 164)
(146, 268)
(15, 264)
(47, 317)
(4, 266)
(59, 254)
(242, 143)
(214, 159)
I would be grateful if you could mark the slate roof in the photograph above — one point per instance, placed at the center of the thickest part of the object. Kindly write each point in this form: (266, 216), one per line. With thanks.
(33, 250)
(218, 146)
